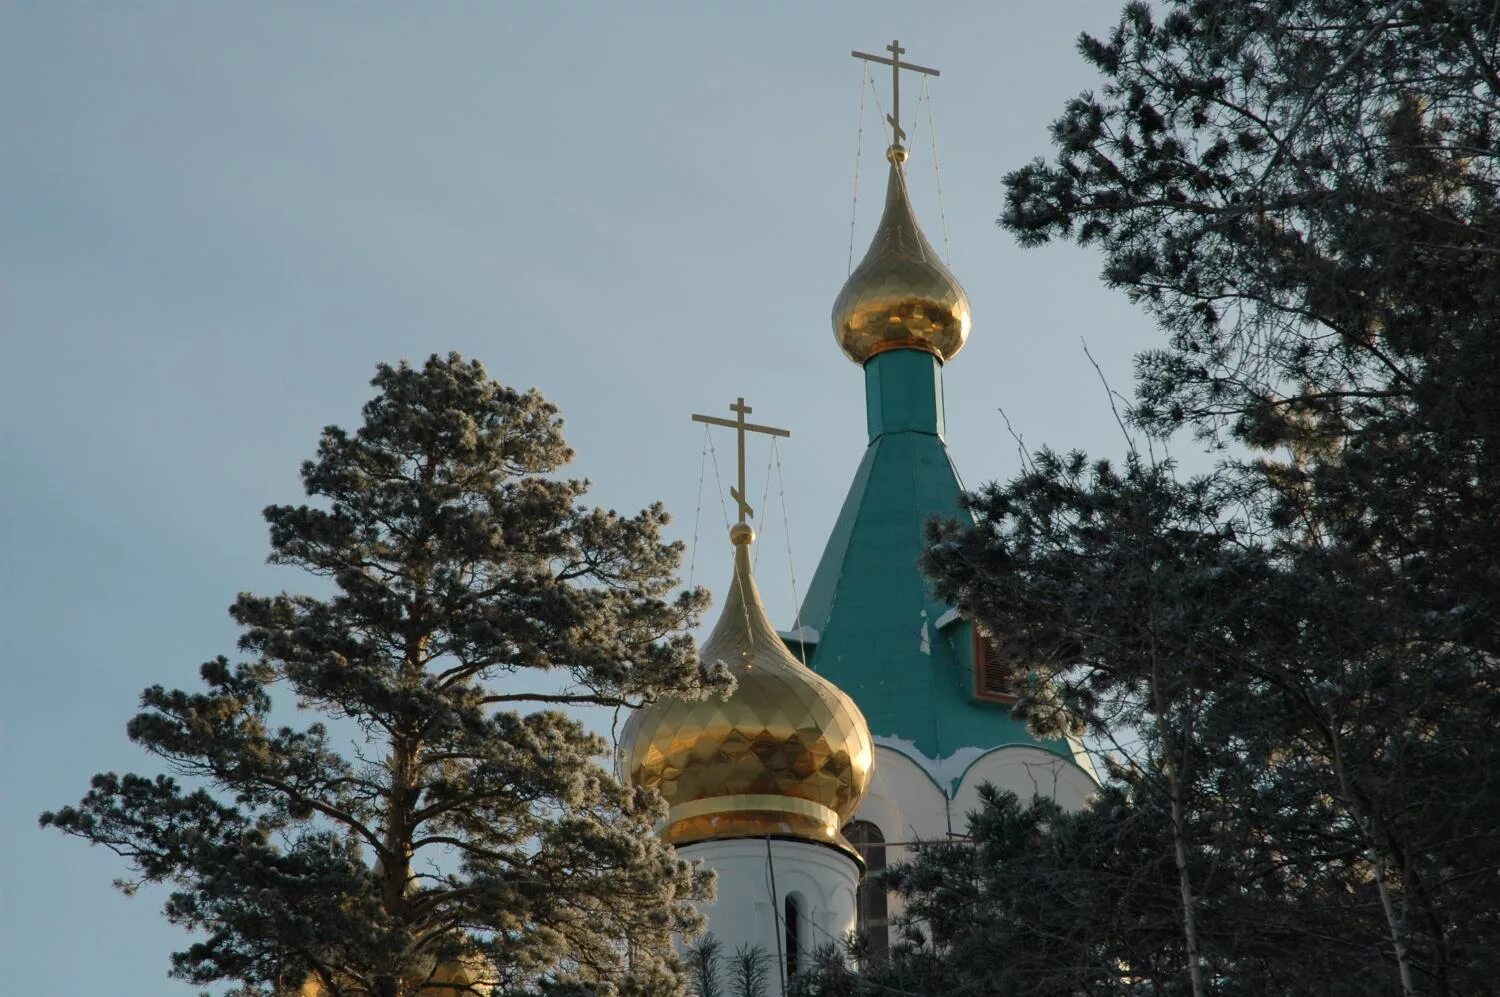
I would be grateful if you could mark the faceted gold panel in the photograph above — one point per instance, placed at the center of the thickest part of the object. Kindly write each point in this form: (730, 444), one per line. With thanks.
(787, 753)
(901, 296)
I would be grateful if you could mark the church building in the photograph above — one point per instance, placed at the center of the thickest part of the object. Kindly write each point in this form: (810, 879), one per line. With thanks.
(871, 726)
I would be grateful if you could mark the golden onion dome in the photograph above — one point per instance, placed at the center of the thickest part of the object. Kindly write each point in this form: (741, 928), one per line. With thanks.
(786, 754)
(901, 296)
(466, 976)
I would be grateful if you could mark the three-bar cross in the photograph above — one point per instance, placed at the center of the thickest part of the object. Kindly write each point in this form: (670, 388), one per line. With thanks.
(896, 66)
(740, 409)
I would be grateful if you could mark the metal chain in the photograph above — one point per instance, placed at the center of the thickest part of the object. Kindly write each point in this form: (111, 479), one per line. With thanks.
(916, 119)
(937, 171)
(764, 498)
(791, 565)
(719, 482)
(698, 512)
(859, 145)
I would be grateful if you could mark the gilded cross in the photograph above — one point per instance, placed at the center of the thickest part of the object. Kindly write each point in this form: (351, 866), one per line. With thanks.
(896, 66)
(741, 427)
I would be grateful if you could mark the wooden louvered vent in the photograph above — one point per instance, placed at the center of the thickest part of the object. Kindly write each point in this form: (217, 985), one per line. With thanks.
(994, 677)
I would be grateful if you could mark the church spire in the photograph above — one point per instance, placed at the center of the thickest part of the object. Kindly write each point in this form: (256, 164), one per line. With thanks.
(901, 296)
(915, 668)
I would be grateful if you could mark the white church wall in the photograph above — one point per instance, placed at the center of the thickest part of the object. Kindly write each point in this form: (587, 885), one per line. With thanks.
(746, 913)
(904, 801)
(907, 805)
(1026, 771)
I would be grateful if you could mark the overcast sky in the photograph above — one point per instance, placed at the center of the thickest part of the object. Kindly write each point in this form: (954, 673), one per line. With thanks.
(216, 219)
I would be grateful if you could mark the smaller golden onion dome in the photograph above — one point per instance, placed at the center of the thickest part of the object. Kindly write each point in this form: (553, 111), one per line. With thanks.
(787, 754)
(901, 296)
(466, 976)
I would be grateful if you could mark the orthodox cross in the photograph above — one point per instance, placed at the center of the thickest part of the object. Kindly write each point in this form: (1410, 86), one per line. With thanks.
(896, 66)
(738, 423)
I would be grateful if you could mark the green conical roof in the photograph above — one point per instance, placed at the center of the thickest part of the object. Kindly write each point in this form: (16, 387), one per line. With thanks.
(904, 657)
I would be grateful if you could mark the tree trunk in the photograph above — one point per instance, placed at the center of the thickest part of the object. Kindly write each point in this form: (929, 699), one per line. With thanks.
(1175, 777)
(1184, 880)
(1400, 943)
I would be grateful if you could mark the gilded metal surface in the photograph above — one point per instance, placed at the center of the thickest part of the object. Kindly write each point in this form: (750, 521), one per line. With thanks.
(468, 976)
(901, 296)
(786, 754)
(741, 427)
(753, 801)
(894, 118)
(755, 824)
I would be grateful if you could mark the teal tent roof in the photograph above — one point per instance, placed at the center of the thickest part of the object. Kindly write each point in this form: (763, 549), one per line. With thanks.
(880, 635)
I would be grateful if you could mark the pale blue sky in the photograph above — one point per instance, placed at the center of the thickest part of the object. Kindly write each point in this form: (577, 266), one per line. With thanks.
(215, 220)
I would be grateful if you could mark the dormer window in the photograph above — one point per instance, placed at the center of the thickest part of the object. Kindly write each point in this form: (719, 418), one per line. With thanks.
(994, 673)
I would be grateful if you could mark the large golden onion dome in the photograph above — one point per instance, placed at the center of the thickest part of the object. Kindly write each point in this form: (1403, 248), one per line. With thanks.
(787, 754)
(901, 296)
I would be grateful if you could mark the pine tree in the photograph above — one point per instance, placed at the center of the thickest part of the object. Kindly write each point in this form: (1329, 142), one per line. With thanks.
(702, 958)
(458, 841)
(749, 972)
(830, 972)
(1304, 194)
(1143, 608)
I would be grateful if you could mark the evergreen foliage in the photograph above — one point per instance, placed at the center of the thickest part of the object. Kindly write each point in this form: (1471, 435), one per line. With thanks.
(454, 831)
(749, 972)
(829, 972)
(1300, 647)
(702, 958)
